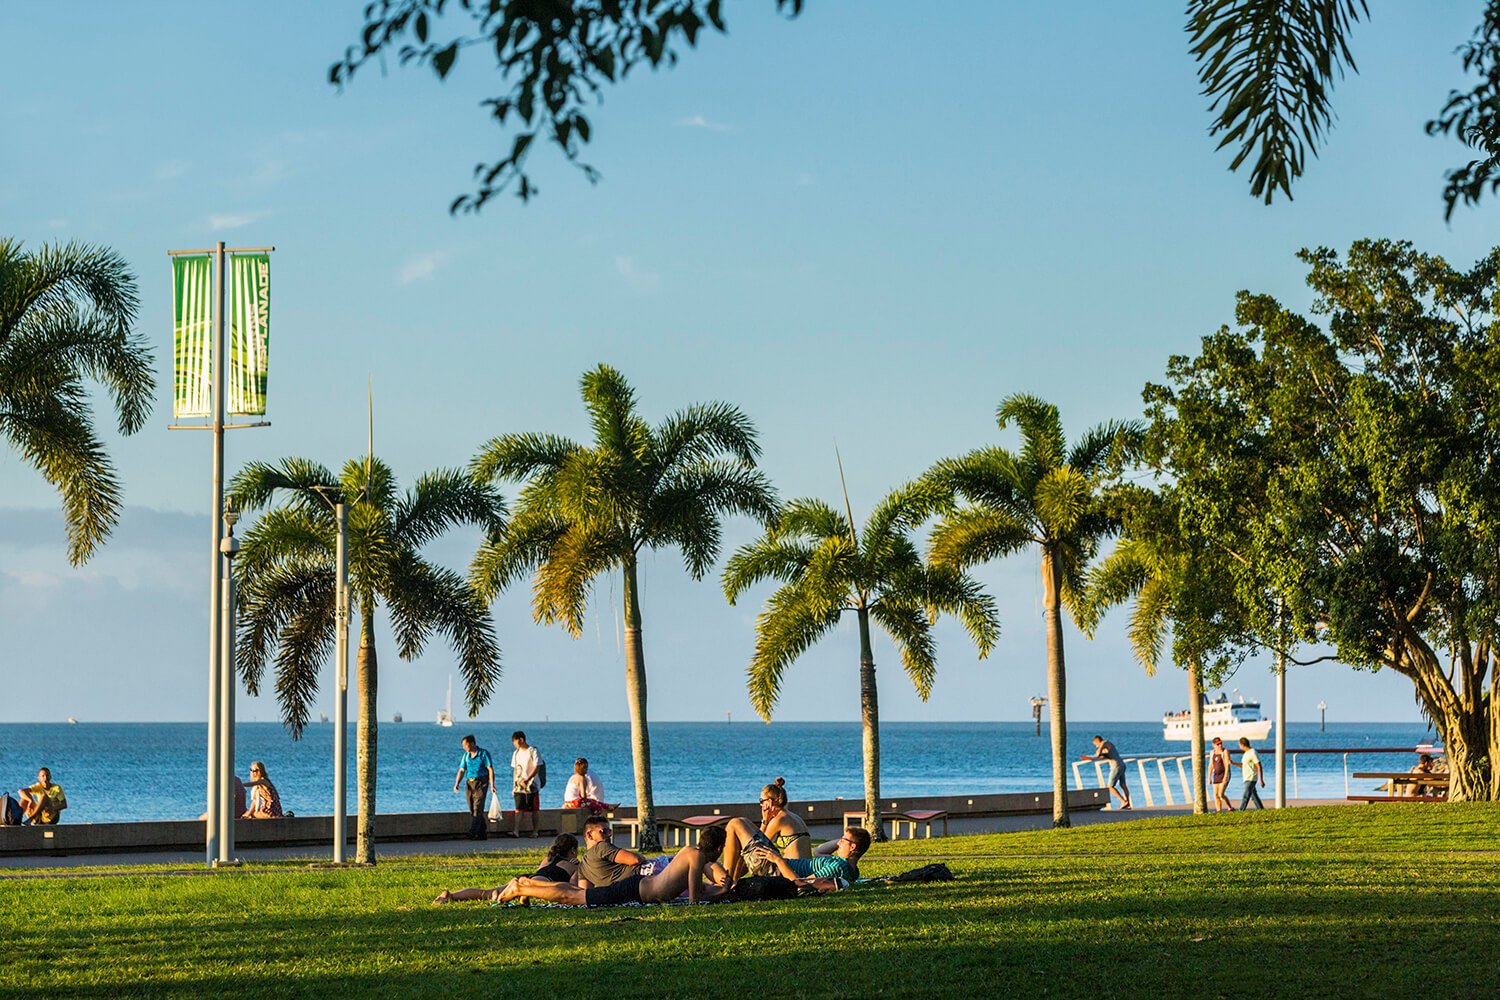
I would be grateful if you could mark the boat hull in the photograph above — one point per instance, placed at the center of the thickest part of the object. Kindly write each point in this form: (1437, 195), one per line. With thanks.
(1182, 729)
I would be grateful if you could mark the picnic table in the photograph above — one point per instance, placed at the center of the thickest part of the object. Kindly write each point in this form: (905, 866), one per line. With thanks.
(1437, 781)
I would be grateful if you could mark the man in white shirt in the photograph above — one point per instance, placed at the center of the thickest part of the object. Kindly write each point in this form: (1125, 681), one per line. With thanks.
(584, 790)
(523, 766)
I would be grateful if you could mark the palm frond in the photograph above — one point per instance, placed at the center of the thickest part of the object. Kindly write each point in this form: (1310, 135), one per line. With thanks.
(973, 535)
(764, 559)
(512, 555)
(960, 595)
(1063, 496)
(809, 518)
(1268, 67)
(1149, 620)
(427, 599)
(255, 486)
(989, 477)
(611, 404)
(518, 456)
(1042, 444)
(796, 616)
(561, 588)
(1116, 441)
(444, 499)
(705, 431)
(911, 630)
(267, 601)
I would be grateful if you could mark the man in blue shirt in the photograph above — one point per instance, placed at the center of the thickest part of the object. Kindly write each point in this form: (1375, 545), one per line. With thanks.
(476, 766)
(1107, 753)
(838, 861)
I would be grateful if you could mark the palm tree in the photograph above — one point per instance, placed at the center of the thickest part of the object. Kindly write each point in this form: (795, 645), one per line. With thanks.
(584, 511)
(827, 570)
(286, 579)
(1043, 495)
(65, 316)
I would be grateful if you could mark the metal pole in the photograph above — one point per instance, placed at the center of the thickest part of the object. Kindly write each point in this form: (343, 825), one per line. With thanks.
(1280, 706)
(229, 546)
(341, 675)
(215, 722)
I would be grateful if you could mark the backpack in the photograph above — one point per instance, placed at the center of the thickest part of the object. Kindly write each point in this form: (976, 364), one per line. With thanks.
(927, 873)
(757, 887)
(541, 771)
(10, 811)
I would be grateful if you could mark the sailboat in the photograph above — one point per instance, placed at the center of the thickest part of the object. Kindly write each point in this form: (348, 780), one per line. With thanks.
(445, 717)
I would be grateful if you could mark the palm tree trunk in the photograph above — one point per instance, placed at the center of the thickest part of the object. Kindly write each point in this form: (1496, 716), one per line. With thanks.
(1057, 686)
(869, 714)
(1195, 692)
(365, 738)
(635, 695)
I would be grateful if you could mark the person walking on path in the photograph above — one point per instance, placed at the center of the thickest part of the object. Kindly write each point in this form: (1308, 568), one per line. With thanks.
(478, 769)
(1218, 774)
(1104, 750)
(1252, 772)
(524, 763)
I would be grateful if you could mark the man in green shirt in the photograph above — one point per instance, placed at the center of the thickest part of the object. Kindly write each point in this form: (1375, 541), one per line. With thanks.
(1251, 771)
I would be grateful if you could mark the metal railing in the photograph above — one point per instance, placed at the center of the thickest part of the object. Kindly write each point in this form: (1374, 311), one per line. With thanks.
(1182, 765)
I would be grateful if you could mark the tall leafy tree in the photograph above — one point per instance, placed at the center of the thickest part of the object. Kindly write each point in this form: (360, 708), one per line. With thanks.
(286, 577)
(1047, 496)
(587, 510)
(827, 570)
(66, 314)
(1350, 469)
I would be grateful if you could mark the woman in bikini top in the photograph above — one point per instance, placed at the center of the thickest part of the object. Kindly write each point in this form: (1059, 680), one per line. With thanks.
(785, 830)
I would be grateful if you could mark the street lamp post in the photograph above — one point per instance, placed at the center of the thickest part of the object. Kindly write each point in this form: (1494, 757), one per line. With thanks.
(229, 546)
(340, 674)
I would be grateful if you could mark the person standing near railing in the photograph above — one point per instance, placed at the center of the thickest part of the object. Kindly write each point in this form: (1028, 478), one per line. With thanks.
(1218, 772)
(1104, 750)
(1252, 772)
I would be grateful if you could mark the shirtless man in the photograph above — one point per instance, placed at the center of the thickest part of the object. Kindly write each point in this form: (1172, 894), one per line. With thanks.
(685, 874)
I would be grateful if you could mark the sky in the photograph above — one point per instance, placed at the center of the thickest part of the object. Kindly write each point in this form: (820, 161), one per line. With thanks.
(864, 229)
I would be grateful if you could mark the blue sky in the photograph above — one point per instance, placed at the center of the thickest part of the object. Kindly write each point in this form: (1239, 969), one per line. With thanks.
(860, 227)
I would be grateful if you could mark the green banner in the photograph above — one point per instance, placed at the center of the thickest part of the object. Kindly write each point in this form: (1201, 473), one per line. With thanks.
(193, 336)
(249, 334)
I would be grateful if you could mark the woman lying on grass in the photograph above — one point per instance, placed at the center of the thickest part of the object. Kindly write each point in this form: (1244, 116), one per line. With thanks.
(560, 865)
(684, 875)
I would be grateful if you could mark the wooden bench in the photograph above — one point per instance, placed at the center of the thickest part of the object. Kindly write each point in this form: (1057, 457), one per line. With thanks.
(910, 818)
(672, 831)
(1436, 780)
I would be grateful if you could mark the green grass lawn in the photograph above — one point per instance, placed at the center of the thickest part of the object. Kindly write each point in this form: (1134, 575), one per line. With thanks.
(1378, 901)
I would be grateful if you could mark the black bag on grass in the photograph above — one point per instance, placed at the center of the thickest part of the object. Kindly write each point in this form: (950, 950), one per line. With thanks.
(927, 873)
(758, 887)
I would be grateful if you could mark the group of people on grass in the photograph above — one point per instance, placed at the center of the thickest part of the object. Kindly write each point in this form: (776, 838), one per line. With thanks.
(607, 875)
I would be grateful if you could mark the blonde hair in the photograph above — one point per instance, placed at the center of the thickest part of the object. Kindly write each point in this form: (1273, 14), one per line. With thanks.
(776, 793)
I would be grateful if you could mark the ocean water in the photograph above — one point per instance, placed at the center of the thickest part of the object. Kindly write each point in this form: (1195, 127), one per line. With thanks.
(147, 771)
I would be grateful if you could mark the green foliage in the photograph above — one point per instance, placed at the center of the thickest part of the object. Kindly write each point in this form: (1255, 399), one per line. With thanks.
(556, 56)
(1474, 117)
(1380, 902)
(66, 314)
(1268, 66)
(826, 571)
(286, 572)
(585, 510)
(1351, 471)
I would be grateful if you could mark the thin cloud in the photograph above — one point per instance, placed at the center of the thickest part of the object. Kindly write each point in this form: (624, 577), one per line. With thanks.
(421, 267)
(699, 121)
(640, 280)
(233, 220)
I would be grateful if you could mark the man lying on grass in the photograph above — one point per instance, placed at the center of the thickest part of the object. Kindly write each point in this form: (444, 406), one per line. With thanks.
(682, 876)
(747, 848)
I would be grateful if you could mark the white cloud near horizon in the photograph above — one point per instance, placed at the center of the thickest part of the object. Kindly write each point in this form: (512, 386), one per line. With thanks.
(700, 121)
(422, 266)
(635, 277)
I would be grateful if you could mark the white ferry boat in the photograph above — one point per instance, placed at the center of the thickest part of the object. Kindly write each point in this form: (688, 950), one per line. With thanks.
(1226, 719)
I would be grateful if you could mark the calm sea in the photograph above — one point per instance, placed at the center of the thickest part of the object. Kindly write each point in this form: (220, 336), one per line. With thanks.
(140, 771)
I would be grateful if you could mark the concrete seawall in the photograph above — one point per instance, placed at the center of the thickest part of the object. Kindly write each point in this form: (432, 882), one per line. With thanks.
(113, 838)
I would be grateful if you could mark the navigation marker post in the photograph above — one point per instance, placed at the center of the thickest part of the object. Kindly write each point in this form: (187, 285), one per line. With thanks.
(204, 368)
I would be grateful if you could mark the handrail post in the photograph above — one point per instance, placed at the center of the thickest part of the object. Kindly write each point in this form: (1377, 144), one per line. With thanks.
(1145, 781)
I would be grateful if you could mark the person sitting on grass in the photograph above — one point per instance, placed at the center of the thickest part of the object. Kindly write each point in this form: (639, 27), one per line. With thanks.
(603, 863)
(43, 801)
(685, 875)
(560, 865)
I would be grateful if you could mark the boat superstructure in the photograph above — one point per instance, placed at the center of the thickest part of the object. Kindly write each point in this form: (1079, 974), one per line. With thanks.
(1226, 719)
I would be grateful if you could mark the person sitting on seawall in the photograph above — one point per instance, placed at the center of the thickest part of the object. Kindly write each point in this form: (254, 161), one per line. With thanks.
(685, 875)
(836, 859)
(264, 802)
(560, 865)
(584, 790)
(784, 831)
(239, 798)
(43, 801)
